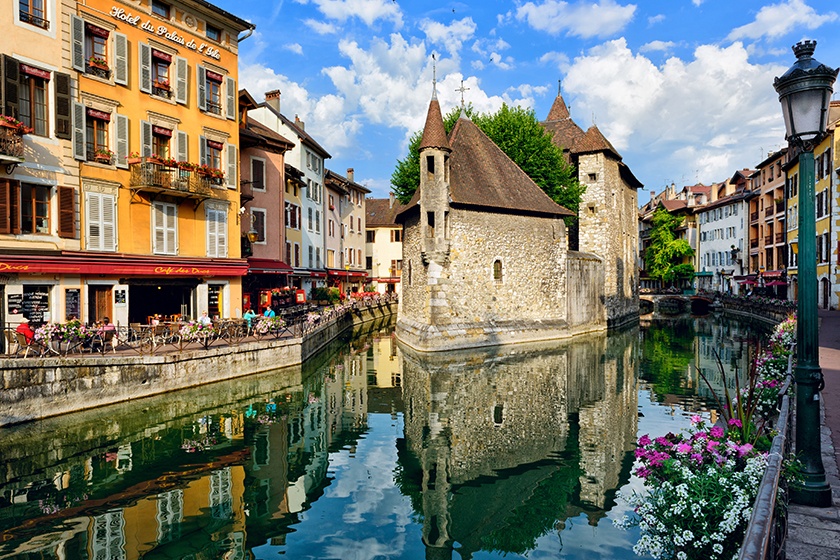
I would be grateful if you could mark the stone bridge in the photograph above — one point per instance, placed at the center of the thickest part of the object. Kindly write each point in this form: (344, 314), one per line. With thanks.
(675, 304)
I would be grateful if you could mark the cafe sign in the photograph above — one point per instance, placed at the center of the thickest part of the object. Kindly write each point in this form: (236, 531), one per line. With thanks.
(162, 31)
(168, 270)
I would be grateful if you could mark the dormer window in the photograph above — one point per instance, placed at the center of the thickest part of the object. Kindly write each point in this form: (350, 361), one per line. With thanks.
(214, 33)
(160, 9)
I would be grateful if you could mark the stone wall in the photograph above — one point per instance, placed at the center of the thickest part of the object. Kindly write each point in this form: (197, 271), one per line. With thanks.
(609, 229)
(43, 387)
(458, 303)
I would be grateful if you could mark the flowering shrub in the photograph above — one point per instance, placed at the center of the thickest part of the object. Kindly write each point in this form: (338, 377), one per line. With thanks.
(266, 325)
(47, 332)
(784, 336)
(701, 489)
(196, 331)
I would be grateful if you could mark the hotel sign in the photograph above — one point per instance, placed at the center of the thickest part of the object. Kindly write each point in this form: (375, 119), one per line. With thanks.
(162, 31)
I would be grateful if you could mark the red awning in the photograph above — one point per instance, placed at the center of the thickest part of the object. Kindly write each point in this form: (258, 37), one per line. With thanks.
(386, 280)
(313, 274)
(772, 274)
(121, 265)
(335, 273)
(268, 266)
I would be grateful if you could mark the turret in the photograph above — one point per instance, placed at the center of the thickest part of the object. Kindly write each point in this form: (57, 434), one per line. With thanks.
(434, 186)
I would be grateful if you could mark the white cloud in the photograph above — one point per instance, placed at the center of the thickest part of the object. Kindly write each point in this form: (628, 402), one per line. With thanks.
(697, 2)
(558, 59)
(652, 20)
(582, 19)
(498, 61)
(657, 46)
(450, 36)
(294, 47)
(320, 27)
(369, 11)
(780, 19)
(684, 112)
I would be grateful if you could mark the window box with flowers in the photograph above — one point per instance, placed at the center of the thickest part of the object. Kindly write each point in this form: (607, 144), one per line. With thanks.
(103, 155)
(213, 175)
(14, 125)
(161, 88)
(133, 157)
(98, 66)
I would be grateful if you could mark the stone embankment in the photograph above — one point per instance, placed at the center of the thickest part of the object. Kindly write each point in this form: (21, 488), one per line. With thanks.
(35, 388)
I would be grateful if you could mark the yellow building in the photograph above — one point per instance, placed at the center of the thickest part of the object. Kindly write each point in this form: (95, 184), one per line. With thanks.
(153, 127)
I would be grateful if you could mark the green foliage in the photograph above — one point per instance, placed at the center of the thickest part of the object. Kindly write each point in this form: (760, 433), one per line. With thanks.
(664, 257)
(518, 134)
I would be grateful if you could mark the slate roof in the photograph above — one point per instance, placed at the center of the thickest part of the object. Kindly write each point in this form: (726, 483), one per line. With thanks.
(379, 212)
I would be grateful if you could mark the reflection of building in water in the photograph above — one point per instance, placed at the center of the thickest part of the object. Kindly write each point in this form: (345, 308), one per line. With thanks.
(729, 341)
(501, 451)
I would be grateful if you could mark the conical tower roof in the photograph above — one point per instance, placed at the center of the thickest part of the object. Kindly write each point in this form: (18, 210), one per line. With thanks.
(595, 141)
(559, 110)
(434, 133)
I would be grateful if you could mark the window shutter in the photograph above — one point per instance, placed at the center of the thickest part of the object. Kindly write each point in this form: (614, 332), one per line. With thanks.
(94, 219)
(158, 231)
(77, 39)
(79, 132)
(181, 146)
(145, 138)
(181, 73)
(257, 174)
(122, 141)
(210, 218)
(5, 206)
(171, 217)
(230, 92)
(109, 223)
(120, 59)
(202, 150)
(221, 233)
(201, 86)
(63, 102)
(231, 166)
(66, 213)
(145, 66)
(11, 76)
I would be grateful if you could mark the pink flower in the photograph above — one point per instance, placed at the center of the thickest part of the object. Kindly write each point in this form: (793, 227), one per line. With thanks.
(697, 458)
(664, 442)
(735, 422)
(710, 447)
(716, 432)
(744, 449)
(684, 448)
(696, 419)
(643, 472)
(644, 440)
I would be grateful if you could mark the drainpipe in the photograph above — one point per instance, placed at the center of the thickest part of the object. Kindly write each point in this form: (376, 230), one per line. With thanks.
(248, 33)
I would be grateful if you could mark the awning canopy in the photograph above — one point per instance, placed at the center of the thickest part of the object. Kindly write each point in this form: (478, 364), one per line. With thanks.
(268, 266)
(772, 274)
(386, 280)
(336, 273)
(122, 265)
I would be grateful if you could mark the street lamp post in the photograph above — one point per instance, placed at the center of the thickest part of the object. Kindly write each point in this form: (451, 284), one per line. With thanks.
(805, 93)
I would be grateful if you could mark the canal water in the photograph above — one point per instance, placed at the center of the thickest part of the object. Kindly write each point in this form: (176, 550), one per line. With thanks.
(370, 451)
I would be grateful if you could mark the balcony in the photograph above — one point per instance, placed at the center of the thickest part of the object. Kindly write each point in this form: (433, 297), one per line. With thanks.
(161, 89)
(99, 69)
(754, 217)
(780, 238)
(768, 240)
(11, 148)
(154, 178)
(246, 191)
(753, 243)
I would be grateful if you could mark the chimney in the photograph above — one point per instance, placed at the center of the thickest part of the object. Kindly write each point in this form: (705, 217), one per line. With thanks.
(350, 174)
(390, 200)
(299, 123)
(272, 99)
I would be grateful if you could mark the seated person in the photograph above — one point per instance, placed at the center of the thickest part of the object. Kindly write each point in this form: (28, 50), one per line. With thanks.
(107, 325)
(25, 329)
(249, 316)
(205, 319)
(269, 312)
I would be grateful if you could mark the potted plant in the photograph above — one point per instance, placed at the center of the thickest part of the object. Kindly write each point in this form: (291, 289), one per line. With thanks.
(133, 157)
(98, 62)
(103, 155)
(169, 162)
(14, 125)
(162, 83)
(187, 166)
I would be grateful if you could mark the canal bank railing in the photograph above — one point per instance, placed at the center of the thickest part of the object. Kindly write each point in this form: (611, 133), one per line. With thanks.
(767, 530)
(767, 309)
(74, 339)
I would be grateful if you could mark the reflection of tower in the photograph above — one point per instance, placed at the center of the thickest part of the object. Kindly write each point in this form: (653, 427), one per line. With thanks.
(436, 489)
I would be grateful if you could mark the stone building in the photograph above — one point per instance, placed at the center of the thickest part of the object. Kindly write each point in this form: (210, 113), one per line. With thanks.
(485, 252)
(608, 215)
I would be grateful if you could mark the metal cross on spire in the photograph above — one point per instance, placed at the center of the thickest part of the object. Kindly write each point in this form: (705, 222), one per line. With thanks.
(462, 89)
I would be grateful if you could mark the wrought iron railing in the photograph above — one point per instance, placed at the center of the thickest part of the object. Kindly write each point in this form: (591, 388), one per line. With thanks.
(214, 108)
(37, 21)
(155, 175)
(161, 91)
(100, 71)
(11, 143)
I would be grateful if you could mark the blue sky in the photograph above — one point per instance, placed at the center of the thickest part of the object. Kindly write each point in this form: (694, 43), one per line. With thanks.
(682, 88)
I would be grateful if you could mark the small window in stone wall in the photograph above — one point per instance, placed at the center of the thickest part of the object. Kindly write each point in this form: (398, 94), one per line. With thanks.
(593, 176)
(497, 270)
(409, 273)
(498, 414)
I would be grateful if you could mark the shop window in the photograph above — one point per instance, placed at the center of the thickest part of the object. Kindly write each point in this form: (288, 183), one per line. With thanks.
(96, 137)
(214, 33)
(34, 13)
(32, 100)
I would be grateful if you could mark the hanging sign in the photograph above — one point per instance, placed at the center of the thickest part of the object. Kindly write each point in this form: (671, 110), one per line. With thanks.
(162, 31)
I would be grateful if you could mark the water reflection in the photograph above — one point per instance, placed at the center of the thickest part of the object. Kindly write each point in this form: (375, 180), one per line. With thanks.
(369, 451)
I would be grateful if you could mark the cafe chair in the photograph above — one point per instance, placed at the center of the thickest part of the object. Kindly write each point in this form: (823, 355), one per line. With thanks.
(34, 346)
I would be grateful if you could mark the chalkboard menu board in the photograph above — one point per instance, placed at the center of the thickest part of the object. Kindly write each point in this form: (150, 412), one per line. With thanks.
(15, 302)
(36, 303)
(71, 304)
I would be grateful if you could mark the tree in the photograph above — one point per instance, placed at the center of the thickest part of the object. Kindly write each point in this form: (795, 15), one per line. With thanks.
(518, 133)
(664, 257)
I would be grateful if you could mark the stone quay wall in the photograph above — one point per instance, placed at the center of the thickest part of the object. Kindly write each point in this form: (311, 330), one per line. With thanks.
(35, 388)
